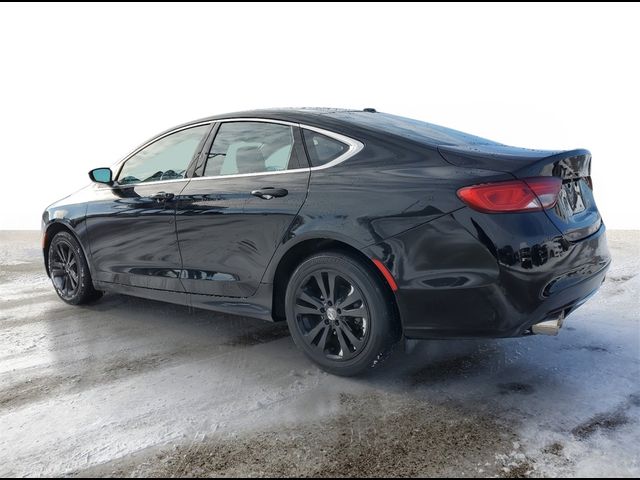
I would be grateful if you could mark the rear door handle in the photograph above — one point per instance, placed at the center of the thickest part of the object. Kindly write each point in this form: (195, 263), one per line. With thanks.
(268, 193)
(162, 196)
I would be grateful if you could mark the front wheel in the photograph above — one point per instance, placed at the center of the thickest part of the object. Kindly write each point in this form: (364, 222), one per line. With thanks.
(339, 313)
(69, 271)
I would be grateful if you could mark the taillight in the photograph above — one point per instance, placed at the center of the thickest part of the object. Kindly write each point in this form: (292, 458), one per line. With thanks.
(527, 195)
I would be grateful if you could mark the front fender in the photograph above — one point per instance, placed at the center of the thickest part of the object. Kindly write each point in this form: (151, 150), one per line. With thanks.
(69, 217)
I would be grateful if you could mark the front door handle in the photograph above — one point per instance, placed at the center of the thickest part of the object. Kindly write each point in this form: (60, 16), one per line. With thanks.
(162, 196)
(268, 193)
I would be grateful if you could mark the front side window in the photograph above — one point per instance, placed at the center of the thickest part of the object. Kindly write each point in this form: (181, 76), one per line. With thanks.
(322, 149)
(251, 147)
(165, 159)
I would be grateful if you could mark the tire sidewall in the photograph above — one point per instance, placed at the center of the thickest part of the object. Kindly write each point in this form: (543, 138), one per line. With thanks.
(381, 314)
(84, 278)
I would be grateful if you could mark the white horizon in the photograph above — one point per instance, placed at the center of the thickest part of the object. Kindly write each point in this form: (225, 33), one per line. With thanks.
(82, 85)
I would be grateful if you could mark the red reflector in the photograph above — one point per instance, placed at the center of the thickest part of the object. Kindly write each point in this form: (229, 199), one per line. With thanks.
(530, 194)
(386, 273)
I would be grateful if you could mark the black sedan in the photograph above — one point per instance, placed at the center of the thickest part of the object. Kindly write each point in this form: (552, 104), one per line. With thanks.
(356, 227)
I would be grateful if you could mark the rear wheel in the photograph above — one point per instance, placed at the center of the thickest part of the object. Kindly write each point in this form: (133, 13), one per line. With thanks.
(69, 270)
(339, 313)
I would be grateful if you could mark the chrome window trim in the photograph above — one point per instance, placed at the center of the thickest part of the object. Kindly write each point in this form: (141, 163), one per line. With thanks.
(254, 174)
(141, 184)
(354, 147)
(263, 120)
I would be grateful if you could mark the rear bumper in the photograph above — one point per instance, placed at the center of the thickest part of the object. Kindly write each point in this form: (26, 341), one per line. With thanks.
(455, 283)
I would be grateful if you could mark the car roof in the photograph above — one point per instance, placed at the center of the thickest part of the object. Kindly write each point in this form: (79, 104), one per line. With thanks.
(352, 122)
(296, 115)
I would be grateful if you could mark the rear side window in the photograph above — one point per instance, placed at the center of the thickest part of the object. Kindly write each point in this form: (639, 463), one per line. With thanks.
(322, 149)
(251, 147)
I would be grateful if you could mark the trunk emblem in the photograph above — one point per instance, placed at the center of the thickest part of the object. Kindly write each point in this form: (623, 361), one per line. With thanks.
(573, 196)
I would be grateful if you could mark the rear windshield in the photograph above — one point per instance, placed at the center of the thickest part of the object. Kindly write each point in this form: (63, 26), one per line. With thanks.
(416, 130)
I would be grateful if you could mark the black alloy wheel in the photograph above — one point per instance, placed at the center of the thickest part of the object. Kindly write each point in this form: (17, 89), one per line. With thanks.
(340, 312)
(69, 270)
(64, 270)
(332, 314)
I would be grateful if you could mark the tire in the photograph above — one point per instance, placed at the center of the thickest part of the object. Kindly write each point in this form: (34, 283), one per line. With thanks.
(347, 327)
(69, 270)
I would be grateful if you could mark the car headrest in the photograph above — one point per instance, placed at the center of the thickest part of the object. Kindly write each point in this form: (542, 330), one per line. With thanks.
(249, 160)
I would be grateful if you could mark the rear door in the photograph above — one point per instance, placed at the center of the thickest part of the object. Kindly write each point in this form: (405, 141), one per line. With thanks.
(240, 204)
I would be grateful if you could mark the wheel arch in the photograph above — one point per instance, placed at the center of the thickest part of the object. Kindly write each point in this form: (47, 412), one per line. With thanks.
(51, 231)
(288, 262)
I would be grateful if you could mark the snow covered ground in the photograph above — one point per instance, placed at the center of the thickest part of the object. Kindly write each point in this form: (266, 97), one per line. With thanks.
(135, 387)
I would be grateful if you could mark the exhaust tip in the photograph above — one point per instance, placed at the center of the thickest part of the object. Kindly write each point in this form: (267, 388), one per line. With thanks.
(549, 327)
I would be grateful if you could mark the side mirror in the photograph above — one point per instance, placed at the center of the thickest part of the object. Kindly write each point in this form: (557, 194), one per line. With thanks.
(101, 175)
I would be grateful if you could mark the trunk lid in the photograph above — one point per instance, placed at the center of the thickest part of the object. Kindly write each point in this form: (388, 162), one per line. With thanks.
(575, 215)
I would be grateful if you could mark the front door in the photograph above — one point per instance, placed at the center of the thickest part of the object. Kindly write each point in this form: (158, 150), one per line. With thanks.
(131, 227)
(232, 217)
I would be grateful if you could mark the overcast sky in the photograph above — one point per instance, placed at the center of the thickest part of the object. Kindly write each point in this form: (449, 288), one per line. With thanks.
(80, 86)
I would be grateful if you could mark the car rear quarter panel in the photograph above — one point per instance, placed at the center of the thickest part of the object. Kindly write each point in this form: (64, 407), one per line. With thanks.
(387, 188)
(446, 279)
